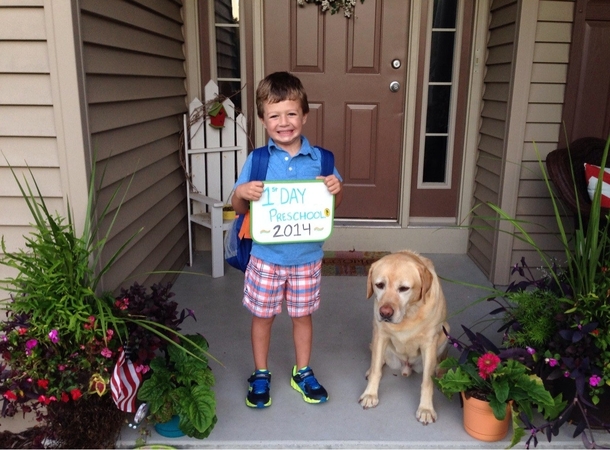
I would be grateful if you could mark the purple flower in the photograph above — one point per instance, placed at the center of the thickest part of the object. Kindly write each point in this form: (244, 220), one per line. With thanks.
(551, 362)
(594, 380)
(54, 336)
(531, 350)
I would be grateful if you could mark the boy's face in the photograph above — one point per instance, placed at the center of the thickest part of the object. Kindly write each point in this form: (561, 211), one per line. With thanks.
(284, 122)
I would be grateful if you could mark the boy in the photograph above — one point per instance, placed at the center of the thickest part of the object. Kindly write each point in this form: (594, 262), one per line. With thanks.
(283, 271)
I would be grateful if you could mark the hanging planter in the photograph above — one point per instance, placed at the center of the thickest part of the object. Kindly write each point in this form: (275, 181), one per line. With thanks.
(480, 422)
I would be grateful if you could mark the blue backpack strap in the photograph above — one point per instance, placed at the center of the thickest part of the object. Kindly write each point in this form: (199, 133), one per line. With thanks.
(328, 162)
(260, 161)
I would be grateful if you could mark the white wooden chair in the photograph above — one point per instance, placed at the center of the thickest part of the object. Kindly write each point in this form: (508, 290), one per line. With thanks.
(213, 159)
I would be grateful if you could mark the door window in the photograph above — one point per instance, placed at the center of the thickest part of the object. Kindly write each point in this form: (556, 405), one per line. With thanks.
(439, 84)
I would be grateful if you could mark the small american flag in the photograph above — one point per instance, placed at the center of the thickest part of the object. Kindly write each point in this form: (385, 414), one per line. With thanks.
(124, 384)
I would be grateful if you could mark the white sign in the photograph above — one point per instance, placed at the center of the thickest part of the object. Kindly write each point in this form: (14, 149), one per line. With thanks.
(292, 211)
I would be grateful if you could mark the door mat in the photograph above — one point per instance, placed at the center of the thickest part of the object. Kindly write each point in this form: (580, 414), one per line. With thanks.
(349, 263)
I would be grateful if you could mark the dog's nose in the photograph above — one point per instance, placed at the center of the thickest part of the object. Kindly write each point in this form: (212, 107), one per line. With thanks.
(386, 312)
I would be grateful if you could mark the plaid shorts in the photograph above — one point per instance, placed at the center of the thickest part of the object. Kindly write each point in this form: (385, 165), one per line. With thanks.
(266, 286)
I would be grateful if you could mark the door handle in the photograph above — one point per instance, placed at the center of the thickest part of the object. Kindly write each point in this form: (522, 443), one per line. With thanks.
(394, 86)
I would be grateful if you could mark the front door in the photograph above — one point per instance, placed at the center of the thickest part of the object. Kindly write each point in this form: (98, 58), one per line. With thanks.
(354, 73)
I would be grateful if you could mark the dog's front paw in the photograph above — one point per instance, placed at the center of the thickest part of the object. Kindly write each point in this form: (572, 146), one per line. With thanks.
(368, 400)
(426, 415)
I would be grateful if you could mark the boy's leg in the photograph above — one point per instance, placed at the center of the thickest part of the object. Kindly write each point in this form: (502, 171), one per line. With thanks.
(302, 299)
(260, 381)
(302, 333)
(261, 337)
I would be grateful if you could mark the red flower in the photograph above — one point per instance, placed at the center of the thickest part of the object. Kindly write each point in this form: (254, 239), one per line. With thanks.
(46, 400)
(64, 397)
(487, 363)
(43, 384)
(76, 394)
(10, 396)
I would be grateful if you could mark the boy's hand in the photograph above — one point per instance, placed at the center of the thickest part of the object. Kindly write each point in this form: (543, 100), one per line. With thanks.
(332, 183)
(244, 193)
(250, 191)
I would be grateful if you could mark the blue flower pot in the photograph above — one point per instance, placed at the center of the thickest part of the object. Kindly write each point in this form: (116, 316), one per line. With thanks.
(169, 429)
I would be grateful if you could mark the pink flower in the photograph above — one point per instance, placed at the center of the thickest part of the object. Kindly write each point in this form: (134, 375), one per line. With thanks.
(551, 362)
(487, 363)
(61, 367)
(531, 351)
(594, 380)
(54, 336)
(106, 353)
(122, 304)
(142, 369)
(31, 344)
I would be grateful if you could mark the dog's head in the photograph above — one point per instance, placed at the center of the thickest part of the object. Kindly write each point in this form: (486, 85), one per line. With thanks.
(399, 281)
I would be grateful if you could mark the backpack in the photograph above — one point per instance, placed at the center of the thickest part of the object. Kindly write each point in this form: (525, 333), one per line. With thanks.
(237, 245)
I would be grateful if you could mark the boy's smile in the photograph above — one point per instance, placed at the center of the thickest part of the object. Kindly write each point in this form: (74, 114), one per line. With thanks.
(284, 123)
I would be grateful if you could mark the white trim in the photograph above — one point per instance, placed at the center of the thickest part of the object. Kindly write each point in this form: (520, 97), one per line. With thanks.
(192, 50)
(473, 109)
(410, 109)
(258, 31)
(68, 105)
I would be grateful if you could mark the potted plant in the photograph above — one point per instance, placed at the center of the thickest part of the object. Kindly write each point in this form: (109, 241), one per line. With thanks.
(179, 386)
(558, 323)
(485, 373)
(61, 336)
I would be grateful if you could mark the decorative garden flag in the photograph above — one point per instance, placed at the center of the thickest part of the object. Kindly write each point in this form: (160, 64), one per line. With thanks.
(124, 384)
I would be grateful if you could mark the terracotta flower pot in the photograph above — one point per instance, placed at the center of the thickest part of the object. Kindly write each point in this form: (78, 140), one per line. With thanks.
(480, 422)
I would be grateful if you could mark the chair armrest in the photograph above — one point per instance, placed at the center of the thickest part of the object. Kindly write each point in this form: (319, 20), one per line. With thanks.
(213, 202)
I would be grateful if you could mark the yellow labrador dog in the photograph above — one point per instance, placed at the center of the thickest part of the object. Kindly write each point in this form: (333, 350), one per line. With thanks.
(408, 322)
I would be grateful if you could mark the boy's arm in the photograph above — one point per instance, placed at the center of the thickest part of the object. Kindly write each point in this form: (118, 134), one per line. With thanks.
(244, 193)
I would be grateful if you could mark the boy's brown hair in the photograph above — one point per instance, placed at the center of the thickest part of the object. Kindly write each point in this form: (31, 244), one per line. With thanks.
(277, 87)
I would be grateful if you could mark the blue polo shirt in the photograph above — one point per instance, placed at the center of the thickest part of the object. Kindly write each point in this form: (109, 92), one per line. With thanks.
(305, 165)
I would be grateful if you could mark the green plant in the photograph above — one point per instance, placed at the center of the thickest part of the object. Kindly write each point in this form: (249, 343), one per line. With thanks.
(485, 372)
(61, 337)
(577, 289)
(535, 311)
(181, 385)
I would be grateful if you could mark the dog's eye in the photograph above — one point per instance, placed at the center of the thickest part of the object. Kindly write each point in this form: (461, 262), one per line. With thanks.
(402, 289)
(380, 285)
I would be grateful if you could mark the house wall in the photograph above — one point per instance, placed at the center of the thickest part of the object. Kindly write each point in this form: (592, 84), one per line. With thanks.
(40, 120)
(134, 77)
(524, 86)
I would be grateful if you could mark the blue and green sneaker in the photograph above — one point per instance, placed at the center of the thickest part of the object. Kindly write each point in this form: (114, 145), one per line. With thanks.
(304, 382)
(258, 392)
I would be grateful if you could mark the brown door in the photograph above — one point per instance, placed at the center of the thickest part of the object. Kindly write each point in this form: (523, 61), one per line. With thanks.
(347, 66)
(587, 107)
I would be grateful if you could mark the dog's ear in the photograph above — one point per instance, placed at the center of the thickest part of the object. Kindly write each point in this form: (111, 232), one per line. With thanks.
(369, 281)
(426, 280)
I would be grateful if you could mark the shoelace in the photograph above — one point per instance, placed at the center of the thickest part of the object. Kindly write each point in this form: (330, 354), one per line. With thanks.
(311, 382)
(260, 386)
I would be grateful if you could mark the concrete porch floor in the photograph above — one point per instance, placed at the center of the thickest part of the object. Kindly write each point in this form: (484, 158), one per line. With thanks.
(341, 356)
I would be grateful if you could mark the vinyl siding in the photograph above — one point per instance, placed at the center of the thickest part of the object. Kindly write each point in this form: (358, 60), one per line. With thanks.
(543, 127)
(491, 149)
(133, 60)
(508, 174)
(27, 122)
